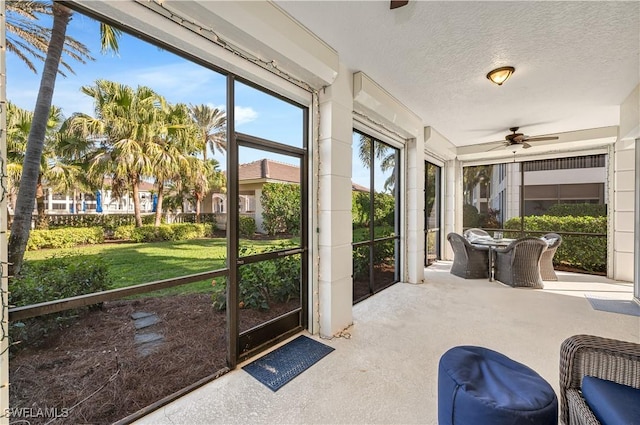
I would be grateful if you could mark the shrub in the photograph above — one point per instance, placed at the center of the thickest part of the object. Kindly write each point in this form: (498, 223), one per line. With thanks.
(384, 209)
(53, 279)
(247, 226)
(586, 252)
(578, 210)
(263, 283)
(383, 251)
(64, 237)
(124, 232)
(470, 216)
(281, 208)
(164, 232)
(58, 277)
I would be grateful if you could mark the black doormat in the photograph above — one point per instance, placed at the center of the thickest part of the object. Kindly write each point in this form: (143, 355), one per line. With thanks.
(285, 363)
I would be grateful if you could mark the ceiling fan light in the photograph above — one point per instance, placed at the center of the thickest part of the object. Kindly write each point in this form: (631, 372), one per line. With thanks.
(514, 147)
(500, 75)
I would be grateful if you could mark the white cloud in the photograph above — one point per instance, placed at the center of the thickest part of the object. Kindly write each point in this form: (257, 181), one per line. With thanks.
(245, 114)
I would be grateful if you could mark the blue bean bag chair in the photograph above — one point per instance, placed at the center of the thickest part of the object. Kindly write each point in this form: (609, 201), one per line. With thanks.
(479, 386)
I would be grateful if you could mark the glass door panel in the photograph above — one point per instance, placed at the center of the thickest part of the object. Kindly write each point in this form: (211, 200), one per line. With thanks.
(432, 213)
(376, 222)
(271, 218)
(271, 265)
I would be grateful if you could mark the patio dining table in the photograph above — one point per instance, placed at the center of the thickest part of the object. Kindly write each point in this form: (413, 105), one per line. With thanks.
(492, 244)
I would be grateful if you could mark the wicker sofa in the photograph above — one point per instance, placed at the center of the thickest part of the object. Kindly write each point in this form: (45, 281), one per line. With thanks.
(604, 358)
(469, 261)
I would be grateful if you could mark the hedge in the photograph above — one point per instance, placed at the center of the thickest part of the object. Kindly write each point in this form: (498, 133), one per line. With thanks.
(164, 232)
(54, 279)
(107, 221)
(578, 210)
(64, 237)
(585, 252)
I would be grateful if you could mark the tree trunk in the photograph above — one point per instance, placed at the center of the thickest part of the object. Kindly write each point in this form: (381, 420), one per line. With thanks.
(31, 167)
(198, 202)
(41, 219)
(159, 204)
(135, 181)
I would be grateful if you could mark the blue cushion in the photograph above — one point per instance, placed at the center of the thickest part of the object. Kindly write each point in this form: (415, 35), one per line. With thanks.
(610, 402)
(478, 386)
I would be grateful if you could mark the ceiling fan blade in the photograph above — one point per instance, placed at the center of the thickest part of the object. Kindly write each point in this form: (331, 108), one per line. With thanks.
(396, 4)
(501, 146)
(525, 145)
(539, 139)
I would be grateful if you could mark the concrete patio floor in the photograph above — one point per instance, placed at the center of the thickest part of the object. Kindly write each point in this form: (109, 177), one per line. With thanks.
(384, 368)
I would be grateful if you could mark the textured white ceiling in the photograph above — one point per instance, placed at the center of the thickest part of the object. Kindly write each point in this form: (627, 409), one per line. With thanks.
(575, 61)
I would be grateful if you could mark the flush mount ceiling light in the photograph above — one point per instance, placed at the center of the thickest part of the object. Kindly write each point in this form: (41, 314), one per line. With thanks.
(500, 75)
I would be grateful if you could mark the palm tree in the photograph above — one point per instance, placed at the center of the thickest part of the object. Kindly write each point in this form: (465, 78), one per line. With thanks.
(18, 127)
(56, 45)
(170, 152)
(28, 40)
(204, 176)
(211, 125)
(129, 122)
(382, 152)
(19, 122)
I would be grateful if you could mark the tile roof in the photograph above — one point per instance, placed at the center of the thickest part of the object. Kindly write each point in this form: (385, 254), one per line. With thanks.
(268, 169)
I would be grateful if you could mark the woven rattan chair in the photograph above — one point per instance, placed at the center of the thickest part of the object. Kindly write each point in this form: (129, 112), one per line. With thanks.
(518, 264)
(469, 261)
(546, 262)
(604, 358)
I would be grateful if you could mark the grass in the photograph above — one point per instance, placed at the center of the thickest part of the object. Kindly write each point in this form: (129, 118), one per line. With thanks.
(136, 263)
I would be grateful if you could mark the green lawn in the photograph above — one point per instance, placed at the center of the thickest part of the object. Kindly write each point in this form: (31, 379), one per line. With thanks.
(135, 263)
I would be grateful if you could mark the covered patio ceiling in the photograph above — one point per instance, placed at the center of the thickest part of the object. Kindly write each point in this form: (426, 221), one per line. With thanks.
(575, 62)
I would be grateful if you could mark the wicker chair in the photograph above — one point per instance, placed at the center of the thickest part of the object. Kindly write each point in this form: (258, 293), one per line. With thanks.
(604, 358)
(469, 234)
(546, 262)
(469, 261)
(519, 263)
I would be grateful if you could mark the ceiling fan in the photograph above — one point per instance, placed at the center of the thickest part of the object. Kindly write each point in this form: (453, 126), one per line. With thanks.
(396, 4)
(519, 139)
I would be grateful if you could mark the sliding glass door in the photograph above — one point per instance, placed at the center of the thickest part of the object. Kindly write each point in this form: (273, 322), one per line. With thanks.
(432, 204)
(376, 217)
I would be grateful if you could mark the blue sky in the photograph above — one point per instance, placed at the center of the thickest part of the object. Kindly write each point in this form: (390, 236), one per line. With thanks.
(175, 78)
(178, 80)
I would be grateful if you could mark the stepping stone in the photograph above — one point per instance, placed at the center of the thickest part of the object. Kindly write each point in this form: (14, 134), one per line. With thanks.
(147, 338)
(145, 322)
(148, 343)
(140, 314)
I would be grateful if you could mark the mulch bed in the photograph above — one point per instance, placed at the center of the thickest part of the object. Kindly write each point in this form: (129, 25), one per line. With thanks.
(94, 365)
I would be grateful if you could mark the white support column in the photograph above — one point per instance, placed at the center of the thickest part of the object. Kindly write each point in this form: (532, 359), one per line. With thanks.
(335, 267)
(259, 211)
(414, 201)
(621, 212)
(636, 255)
(452, 219)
